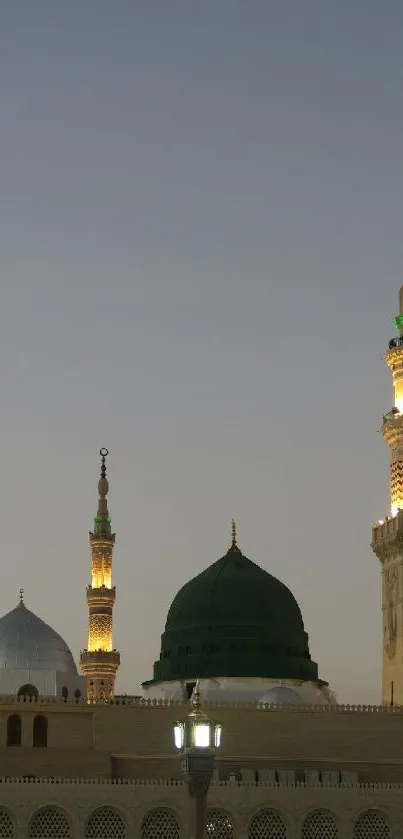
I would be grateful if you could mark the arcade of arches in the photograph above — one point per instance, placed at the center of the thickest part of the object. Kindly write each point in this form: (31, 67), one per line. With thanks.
(163, 822)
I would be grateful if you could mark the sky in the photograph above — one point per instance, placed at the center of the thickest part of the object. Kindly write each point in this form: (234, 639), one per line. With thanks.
(201, 249)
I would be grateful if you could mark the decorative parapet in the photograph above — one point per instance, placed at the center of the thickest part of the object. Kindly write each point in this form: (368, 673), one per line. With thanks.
(178, 784)
(139, 702)
(143, 782)
(387, 536)
(103, 538)
(390, 528)
(101, 595)
(100, 657)
(394, 354)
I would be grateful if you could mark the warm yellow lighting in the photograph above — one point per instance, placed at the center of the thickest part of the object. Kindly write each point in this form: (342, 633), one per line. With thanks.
(100, 633)
(99, 642)
(399, 404)
(101, 577)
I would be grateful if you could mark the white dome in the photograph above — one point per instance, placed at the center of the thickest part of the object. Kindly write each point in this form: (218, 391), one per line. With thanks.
(281, 696)
(28, 643)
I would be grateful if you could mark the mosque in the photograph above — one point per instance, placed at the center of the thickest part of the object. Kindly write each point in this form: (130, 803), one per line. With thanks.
(81, 762)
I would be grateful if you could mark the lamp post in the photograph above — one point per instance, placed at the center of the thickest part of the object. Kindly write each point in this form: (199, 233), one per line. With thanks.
(197, 739)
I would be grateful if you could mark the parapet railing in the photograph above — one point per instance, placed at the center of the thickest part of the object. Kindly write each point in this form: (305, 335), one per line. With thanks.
(139, 702)
(177, 784)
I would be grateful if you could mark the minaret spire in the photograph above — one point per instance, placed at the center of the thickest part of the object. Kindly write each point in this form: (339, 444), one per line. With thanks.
(100, 661)
(387, 533)
(102, 521)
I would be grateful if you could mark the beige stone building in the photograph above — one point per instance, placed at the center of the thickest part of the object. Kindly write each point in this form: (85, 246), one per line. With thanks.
(79, 762)
(111, 771)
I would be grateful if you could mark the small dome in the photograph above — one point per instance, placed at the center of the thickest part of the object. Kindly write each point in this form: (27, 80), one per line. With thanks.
(234, 619)
(27, 643)
(281, 695)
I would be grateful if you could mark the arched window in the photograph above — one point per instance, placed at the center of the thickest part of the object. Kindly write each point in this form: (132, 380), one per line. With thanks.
(29, 691)
(14, 730)
(105, 823)
(372, 825)
(40, 731)
(268, 824)
(49, 823)
(6, 825)
(219, 825)
(160, 822)
(320, 824)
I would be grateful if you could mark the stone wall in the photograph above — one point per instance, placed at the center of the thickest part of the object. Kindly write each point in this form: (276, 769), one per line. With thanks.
(79, 809)
(82, 738)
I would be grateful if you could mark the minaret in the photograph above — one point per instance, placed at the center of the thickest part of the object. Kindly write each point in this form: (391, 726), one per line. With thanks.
(387, 535)
(100, 661)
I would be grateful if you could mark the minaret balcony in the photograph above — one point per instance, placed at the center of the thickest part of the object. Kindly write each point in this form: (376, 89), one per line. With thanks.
(394, 355)
(100, 657)
(101, 596)
(396, 342)
(392, 427)
(106, 538)
(387, 534)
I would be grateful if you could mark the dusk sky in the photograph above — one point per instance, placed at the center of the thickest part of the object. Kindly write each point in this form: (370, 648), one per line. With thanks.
(201, 249)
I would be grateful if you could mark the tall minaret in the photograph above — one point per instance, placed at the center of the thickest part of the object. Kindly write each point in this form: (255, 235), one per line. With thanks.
(100, 661)
(387, 535)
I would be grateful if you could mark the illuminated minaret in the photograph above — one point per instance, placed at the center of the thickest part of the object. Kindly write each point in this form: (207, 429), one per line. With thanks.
(387, 534)
(100, 661)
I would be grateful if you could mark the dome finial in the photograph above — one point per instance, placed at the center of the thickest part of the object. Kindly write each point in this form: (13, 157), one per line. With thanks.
(233, 534)
(21, 597)
(103, 483)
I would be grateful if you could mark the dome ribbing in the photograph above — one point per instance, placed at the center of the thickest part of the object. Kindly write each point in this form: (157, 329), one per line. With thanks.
(234, 619)
(28, 643)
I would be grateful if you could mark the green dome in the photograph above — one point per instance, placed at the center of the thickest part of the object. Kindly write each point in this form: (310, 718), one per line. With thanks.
(234, 619)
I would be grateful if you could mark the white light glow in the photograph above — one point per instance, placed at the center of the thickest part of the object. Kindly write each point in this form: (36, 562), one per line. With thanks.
(217, 736)
(399, 403)
(395, 509)
(202, 736)
(178, 736)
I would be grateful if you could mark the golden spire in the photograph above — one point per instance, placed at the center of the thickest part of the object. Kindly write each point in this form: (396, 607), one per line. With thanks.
(233, 534)
(233, 548)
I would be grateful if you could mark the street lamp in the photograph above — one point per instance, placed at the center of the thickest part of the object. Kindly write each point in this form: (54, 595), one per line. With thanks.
(198, 739)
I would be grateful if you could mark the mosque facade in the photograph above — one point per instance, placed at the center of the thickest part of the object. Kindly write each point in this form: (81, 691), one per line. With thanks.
(81, 762)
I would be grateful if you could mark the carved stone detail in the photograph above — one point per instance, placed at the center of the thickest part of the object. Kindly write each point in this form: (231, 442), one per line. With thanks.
(390, 631)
